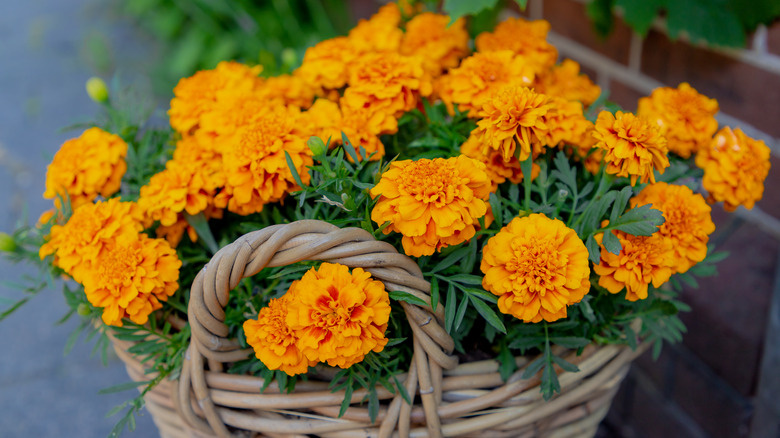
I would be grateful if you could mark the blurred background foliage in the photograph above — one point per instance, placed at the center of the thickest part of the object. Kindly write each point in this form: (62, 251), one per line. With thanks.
(192, 35)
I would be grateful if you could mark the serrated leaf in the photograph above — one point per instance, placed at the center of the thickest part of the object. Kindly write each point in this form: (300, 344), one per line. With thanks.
(347, 400)
(594, 250)
(611, 243)
(640, 14)
(621, 201)
(564, 172)
(571, 342)
(533, 367)
(566, 366)
(639, 221)
(458, 8)
(489, 314)
(373, 404)
(400, 295)
(526, 342)
(716, 257)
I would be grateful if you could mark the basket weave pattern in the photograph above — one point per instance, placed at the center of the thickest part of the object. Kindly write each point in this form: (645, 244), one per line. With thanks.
(469, 399)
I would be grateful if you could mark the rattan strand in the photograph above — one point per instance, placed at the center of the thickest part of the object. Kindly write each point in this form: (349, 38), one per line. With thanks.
(451, 399)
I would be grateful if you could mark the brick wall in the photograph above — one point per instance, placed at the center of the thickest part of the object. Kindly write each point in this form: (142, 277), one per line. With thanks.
(714, 384)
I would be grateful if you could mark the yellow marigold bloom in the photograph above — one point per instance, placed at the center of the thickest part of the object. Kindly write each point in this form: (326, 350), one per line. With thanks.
(537, 267)
(92, 226)
(479, 77)
(288, 89)
(380, 33)
(686, 118)
(129, 279)
(197, 94)
(515, 118)
(567, 124)
(338, 316)
(433, 203)
(641, 261)
(688, 221)
(328, 122)
(497, 168)
(383, 86)
(440, 44)
(735, 167)
(564, 80)
(633, 147)
(255, 165)
(92, 164)
(327, 64)
(525, 38)
(275, 344)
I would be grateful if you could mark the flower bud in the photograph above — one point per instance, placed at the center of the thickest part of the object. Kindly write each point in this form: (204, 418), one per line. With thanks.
(7, 243)
(97, 90)
(83, 310)
(317, 146)
(289, 57)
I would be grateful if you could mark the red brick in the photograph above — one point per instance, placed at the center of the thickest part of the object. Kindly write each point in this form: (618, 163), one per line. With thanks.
(729, 312)
(624, 95)
(773, 38)
(770, 202)
(568, 18)
(742, 90)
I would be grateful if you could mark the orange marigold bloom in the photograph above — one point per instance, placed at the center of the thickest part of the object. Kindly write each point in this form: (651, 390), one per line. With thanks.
(255, 165)
(480, 77)
(735, 167)
(380, 33)
(688, 221)
(327, 64)
(338, 316)
(497, 168)
(383, 86)
(433, 203)
(197, 94)
(564, 80)
(515, 117)
(686, 118)
(537, 267)
(633, 146)
(275, 344)
(289, 90)
(525, 38)
(92, 164)
(129, 279)
(641, 261)
(567, 124)
(92, 226)
(440, 44)
(328, 122)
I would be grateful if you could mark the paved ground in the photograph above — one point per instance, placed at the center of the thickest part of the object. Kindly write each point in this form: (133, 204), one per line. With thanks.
(48, 48)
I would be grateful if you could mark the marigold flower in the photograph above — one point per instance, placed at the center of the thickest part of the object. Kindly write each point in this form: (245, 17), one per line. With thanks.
(289, 90)
(440, 44)
(197, 94)
(328, 122)
(92, 226)
(383, 86)
(567, 124)
(497, 168)
(479, 77)
(564, 80)
(255, 165)
(515, 117)
(327, 64)
(537, 267)
(92, 164)
(338, 316)
(525, 38)
(275, 344)
(129, 279)
(433, 203)
(642, 260)
(632, 146)
(735, 167)
(685, 117)
(688, 222)
(380, 33)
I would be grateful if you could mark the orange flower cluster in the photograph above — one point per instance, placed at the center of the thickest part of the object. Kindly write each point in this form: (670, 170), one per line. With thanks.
(735, 167)
(524, 38)
(642, 260)
(564, 80)
(438, 43)
(688, 222)
(432, 203)
(86, 167)
(537, 267)
(498, 169)
(330, 315)
(685, 117)
(124, 272)
(633, 147)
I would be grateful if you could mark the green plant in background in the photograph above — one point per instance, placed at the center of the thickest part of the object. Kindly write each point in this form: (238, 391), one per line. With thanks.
(197, 34)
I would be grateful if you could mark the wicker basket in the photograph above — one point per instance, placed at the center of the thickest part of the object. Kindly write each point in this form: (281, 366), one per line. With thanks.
(469, 399)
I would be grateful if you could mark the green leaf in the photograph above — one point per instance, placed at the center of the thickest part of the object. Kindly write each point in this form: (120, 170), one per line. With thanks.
(488, 313)
(449, 308)
(373, 404)
(564, 172)
(600, 12)
(495, 206)
(347, 400)
(399, 295)
(594, 250)
(458, 8)
(434, 294)
(621, 201)
(533, 367)
(474, 280)
(122, 387)
(705, 20)
(526, 342)
(293, 170)
(611, 243)
(522, 4)
(639, 221)
(639, 14)
(506, 362)
(201, 225)
(464, 304)
(566, 366)
(348, 147)
(7, 312)
(572, 342)
(450, 259)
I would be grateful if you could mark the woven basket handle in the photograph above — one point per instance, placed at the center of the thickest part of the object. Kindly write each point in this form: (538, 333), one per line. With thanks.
(281, 245)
